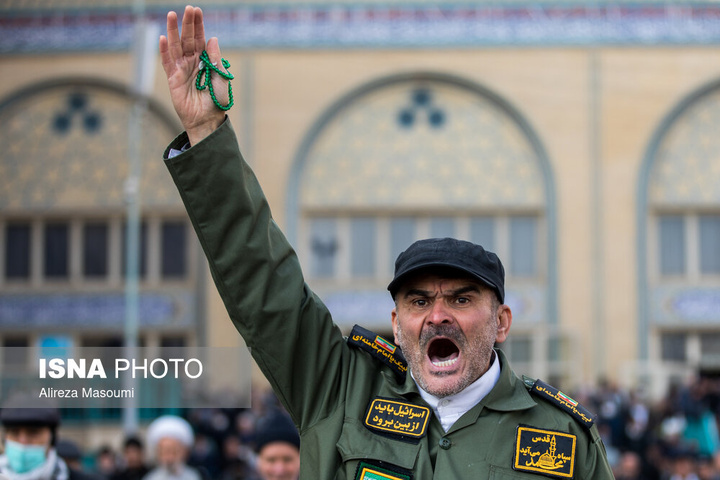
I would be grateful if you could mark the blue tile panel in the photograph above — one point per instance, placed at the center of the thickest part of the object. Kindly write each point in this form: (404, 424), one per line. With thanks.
(375, 25)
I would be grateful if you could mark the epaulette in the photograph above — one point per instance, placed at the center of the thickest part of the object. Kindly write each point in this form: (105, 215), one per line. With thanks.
(381, 349)
(560, 400)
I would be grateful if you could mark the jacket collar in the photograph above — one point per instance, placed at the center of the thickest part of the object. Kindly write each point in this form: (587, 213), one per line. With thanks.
(510, 393)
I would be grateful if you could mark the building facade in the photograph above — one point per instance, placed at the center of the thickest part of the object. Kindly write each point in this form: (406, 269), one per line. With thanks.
(578, 142)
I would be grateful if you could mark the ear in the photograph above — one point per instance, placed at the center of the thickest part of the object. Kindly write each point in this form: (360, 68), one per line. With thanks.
(394, 319)
(504, 321)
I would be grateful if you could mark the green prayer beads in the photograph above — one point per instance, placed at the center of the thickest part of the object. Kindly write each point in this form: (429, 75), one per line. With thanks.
(206, 67)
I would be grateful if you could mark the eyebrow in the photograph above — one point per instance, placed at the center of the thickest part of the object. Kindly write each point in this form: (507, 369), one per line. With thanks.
(416, 292)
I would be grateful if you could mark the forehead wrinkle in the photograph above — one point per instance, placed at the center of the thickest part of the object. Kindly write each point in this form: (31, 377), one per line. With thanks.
(419, 292)
(466, 289)
(441, 291)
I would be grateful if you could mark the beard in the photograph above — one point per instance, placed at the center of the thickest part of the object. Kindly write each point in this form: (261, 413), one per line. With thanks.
(476, 352)
(172, 468)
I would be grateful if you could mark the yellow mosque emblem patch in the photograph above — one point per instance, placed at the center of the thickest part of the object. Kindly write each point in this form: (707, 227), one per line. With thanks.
(545, 451)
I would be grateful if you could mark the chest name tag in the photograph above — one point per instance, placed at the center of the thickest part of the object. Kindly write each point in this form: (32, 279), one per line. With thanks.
(547, 452)
(399, 418)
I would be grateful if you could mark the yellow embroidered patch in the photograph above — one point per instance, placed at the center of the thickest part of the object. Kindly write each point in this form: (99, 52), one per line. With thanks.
(392, 416)
(564, 402)
(371, 472)
(545, 451)
(379, 348)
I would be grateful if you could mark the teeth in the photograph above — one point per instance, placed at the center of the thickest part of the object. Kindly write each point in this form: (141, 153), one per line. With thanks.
(446, 363)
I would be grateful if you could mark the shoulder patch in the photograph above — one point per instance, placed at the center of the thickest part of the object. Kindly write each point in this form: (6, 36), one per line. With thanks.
(560, 400)
(379, 348)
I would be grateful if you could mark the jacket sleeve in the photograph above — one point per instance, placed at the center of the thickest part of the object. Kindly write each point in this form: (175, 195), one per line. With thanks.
(288, 329)
(601, 469)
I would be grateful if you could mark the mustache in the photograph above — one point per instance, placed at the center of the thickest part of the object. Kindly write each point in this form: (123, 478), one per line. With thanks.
(451, 332)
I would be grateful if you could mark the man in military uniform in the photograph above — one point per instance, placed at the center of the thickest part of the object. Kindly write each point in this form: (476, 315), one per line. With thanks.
(453, 410)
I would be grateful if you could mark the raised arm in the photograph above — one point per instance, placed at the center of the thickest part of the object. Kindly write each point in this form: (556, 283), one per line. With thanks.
(288, 329)
(180, 53)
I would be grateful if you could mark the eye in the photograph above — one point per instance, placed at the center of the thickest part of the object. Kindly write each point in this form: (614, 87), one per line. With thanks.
(419, 302)
(462, 300)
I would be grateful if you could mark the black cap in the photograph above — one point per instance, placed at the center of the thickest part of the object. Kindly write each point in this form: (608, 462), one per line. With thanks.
(67, 449)
(25, 409)
(276, 428)
(450, 253)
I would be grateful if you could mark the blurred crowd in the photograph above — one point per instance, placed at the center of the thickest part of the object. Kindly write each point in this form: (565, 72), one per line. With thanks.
(260, 443)
(675, 438)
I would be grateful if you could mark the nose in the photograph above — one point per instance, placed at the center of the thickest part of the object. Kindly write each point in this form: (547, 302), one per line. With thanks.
(439, 313)
(22, 437)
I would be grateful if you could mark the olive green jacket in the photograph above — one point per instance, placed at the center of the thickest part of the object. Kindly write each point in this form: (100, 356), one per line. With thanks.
(328, 385)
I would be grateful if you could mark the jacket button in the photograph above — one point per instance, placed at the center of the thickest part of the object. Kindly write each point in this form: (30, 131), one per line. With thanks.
(445, 443)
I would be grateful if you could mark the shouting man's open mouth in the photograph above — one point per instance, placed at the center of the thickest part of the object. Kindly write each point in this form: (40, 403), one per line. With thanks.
(443, 353)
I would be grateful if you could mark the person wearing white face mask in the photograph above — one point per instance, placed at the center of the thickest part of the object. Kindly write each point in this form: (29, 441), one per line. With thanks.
(29, 434)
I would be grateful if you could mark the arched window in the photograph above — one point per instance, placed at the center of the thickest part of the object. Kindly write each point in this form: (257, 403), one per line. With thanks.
(63, 213)
(66, 147)
(416, 156)
(679, 236)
